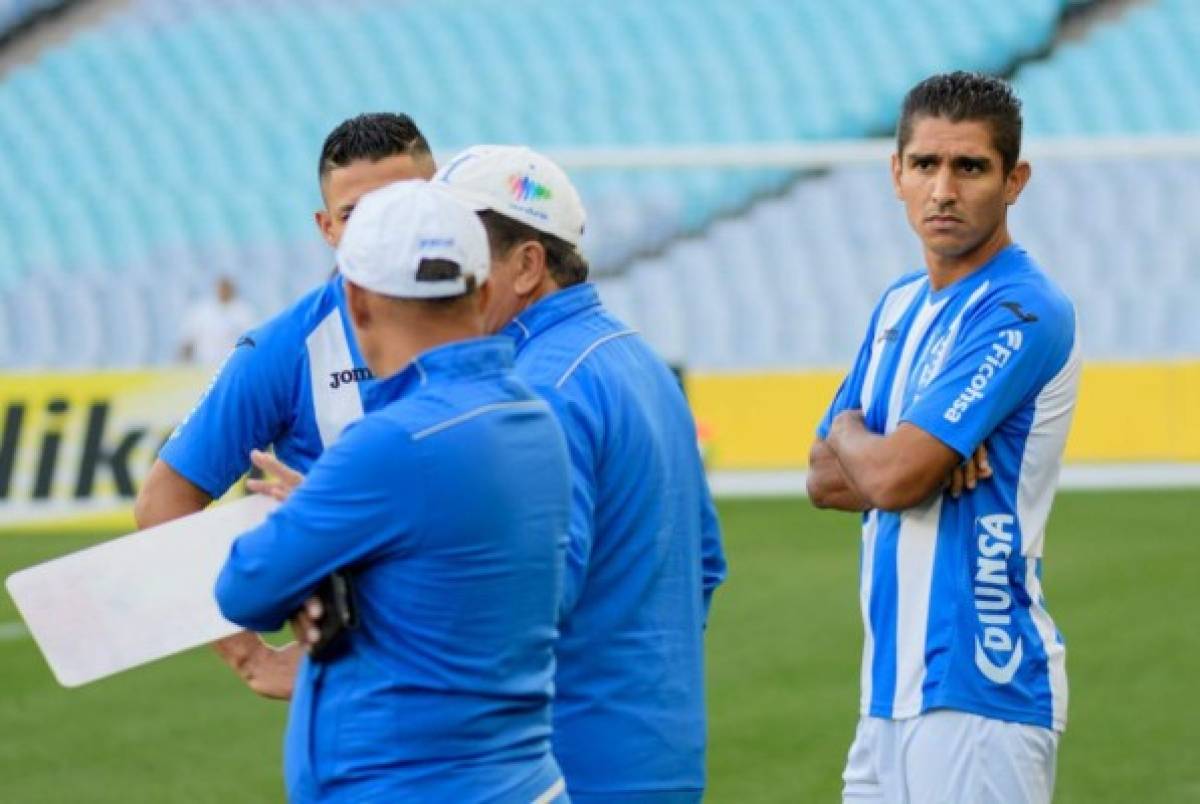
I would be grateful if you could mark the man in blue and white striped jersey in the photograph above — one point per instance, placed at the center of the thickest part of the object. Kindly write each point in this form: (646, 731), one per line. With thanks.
(293, 383)
(964, 688)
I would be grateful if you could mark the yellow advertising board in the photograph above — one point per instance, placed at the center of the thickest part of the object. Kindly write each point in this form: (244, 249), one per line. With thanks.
(1127, 412)
(75, 447)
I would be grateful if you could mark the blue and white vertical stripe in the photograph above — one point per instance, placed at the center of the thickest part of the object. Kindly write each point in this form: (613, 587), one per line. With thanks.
(950, 590)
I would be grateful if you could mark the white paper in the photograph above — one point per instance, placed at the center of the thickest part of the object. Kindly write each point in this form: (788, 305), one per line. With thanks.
(134, 599)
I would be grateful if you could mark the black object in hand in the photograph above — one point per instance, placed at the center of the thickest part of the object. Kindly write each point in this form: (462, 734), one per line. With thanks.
(339, 614)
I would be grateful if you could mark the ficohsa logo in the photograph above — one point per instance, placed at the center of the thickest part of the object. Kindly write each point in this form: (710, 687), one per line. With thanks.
(1007, 343)
(994, 600)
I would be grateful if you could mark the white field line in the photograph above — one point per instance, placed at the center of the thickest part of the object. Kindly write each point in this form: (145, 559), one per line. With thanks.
(790, 483)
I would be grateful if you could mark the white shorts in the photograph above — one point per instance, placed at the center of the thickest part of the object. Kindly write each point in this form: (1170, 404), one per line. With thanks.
(948, 757)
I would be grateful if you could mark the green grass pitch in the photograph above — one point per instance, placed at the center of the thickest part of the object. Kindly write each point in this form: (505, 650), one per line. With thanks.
(783, 672)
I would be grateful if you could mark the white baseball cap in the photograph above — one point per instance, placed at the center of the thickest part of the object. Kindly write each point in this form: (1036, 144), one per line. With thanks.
(413, 240)
(519, 183)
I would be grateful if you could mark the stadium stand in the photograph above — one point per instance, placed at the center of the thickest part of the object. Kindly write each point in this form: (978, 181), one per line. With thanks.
(1120, 235)
(1134, 75)
(177, 141)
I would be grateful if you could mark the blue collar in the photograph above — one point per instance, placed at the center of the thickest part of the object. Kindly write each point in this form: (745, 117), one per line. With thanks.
(476, 357)
(1007, 256)
(547, 312)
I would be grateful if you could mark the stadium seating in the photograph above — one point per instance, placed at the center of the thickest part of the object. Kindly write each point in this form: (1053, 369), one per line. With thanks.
(1120, 235)
(1135, 75)
(179, 140)
(777, 286)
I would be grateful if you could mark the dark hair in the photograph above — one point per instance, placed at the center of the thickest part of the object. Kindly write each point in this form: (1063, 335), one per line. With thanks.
(960, 96)
(566, 265)
(437, 270)
(372, 137)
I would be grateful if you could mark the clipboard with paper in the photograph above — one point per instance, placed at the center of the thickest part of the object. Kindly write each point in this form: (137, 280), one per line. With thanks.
(134, 599)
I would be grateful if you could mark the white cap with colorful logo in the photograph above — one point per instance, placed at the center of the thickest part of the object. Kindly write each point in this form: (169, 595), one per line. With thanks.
(414, 240)
(519, 183)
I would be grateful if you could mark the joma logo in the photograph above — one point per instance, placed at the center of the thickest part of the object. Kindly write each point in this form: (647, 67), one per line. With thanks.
(348, 376)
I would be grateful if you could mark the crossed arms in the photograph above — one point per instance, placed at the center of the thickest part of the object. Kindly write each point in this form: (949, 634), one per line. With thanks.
(854, 469)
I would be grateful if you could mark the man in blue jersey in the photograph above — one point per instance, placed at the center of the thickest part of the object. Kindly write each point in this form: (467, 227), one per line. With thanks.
(964, 688)
(645, 553)
(448, 508)
(295, 382)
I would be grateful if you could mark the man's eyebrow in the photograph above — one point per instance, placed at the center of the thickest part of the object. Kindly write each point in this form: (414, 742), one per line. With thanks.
(972, 161)
(346, 209)
(921, 157)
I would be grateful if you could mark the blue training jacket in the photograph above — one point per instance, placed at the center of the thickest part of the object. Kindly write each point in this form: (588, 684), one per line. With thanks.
(449, 509)
(644, 554)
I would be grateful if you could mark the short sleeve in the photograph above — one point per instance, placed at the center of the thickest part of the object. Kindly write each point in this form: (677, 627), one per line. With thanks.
(247, 406)
(1005, 354)
(849, 393)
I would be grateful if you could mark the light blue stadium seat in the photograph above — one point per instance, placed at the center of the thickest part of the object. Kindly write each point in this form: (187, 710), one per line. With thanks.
(195, 119)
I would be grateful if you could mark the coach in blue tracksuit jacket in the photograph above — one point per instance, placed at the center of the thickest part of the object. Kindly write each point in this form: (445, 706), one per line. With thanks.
(448, 507)
(644, 554)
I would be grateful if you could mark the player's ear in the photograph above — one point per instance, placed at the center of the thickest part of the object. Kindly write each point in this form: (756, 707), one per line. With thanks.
(1016, 180)
(483, 296)
(358, 305)
(531, 268)
(426, 167)
(896, 165)
(325, 226)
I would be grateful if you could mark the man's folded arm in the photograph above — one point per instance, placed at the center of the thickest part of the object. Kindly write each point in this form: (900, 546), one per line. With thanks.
(892, 472)
(338, 516)
(1012, 357)
(827, 484)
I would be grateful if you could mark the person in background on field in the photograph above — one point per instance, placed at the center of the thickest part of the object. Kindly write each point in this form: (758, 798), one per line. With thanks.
(293, 383)
(446, 508)
(964, 688)
(212, 326)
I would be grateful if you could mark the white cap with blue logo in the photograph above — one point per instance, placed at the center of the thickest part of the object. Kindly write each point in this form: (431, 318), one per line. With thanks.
(414, 240)
(519, 183)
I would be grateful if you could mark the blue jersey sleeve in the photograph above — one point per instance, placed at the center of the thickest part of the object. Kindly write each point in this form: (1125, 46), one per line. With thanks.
(340, 515)
(849, 393)
(1006, 352)
(248, 406)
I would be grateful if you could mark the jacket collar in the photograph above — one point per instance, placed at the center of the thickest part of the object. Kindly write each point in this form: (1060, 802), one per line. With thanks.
(476, 357)
(552, 309)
